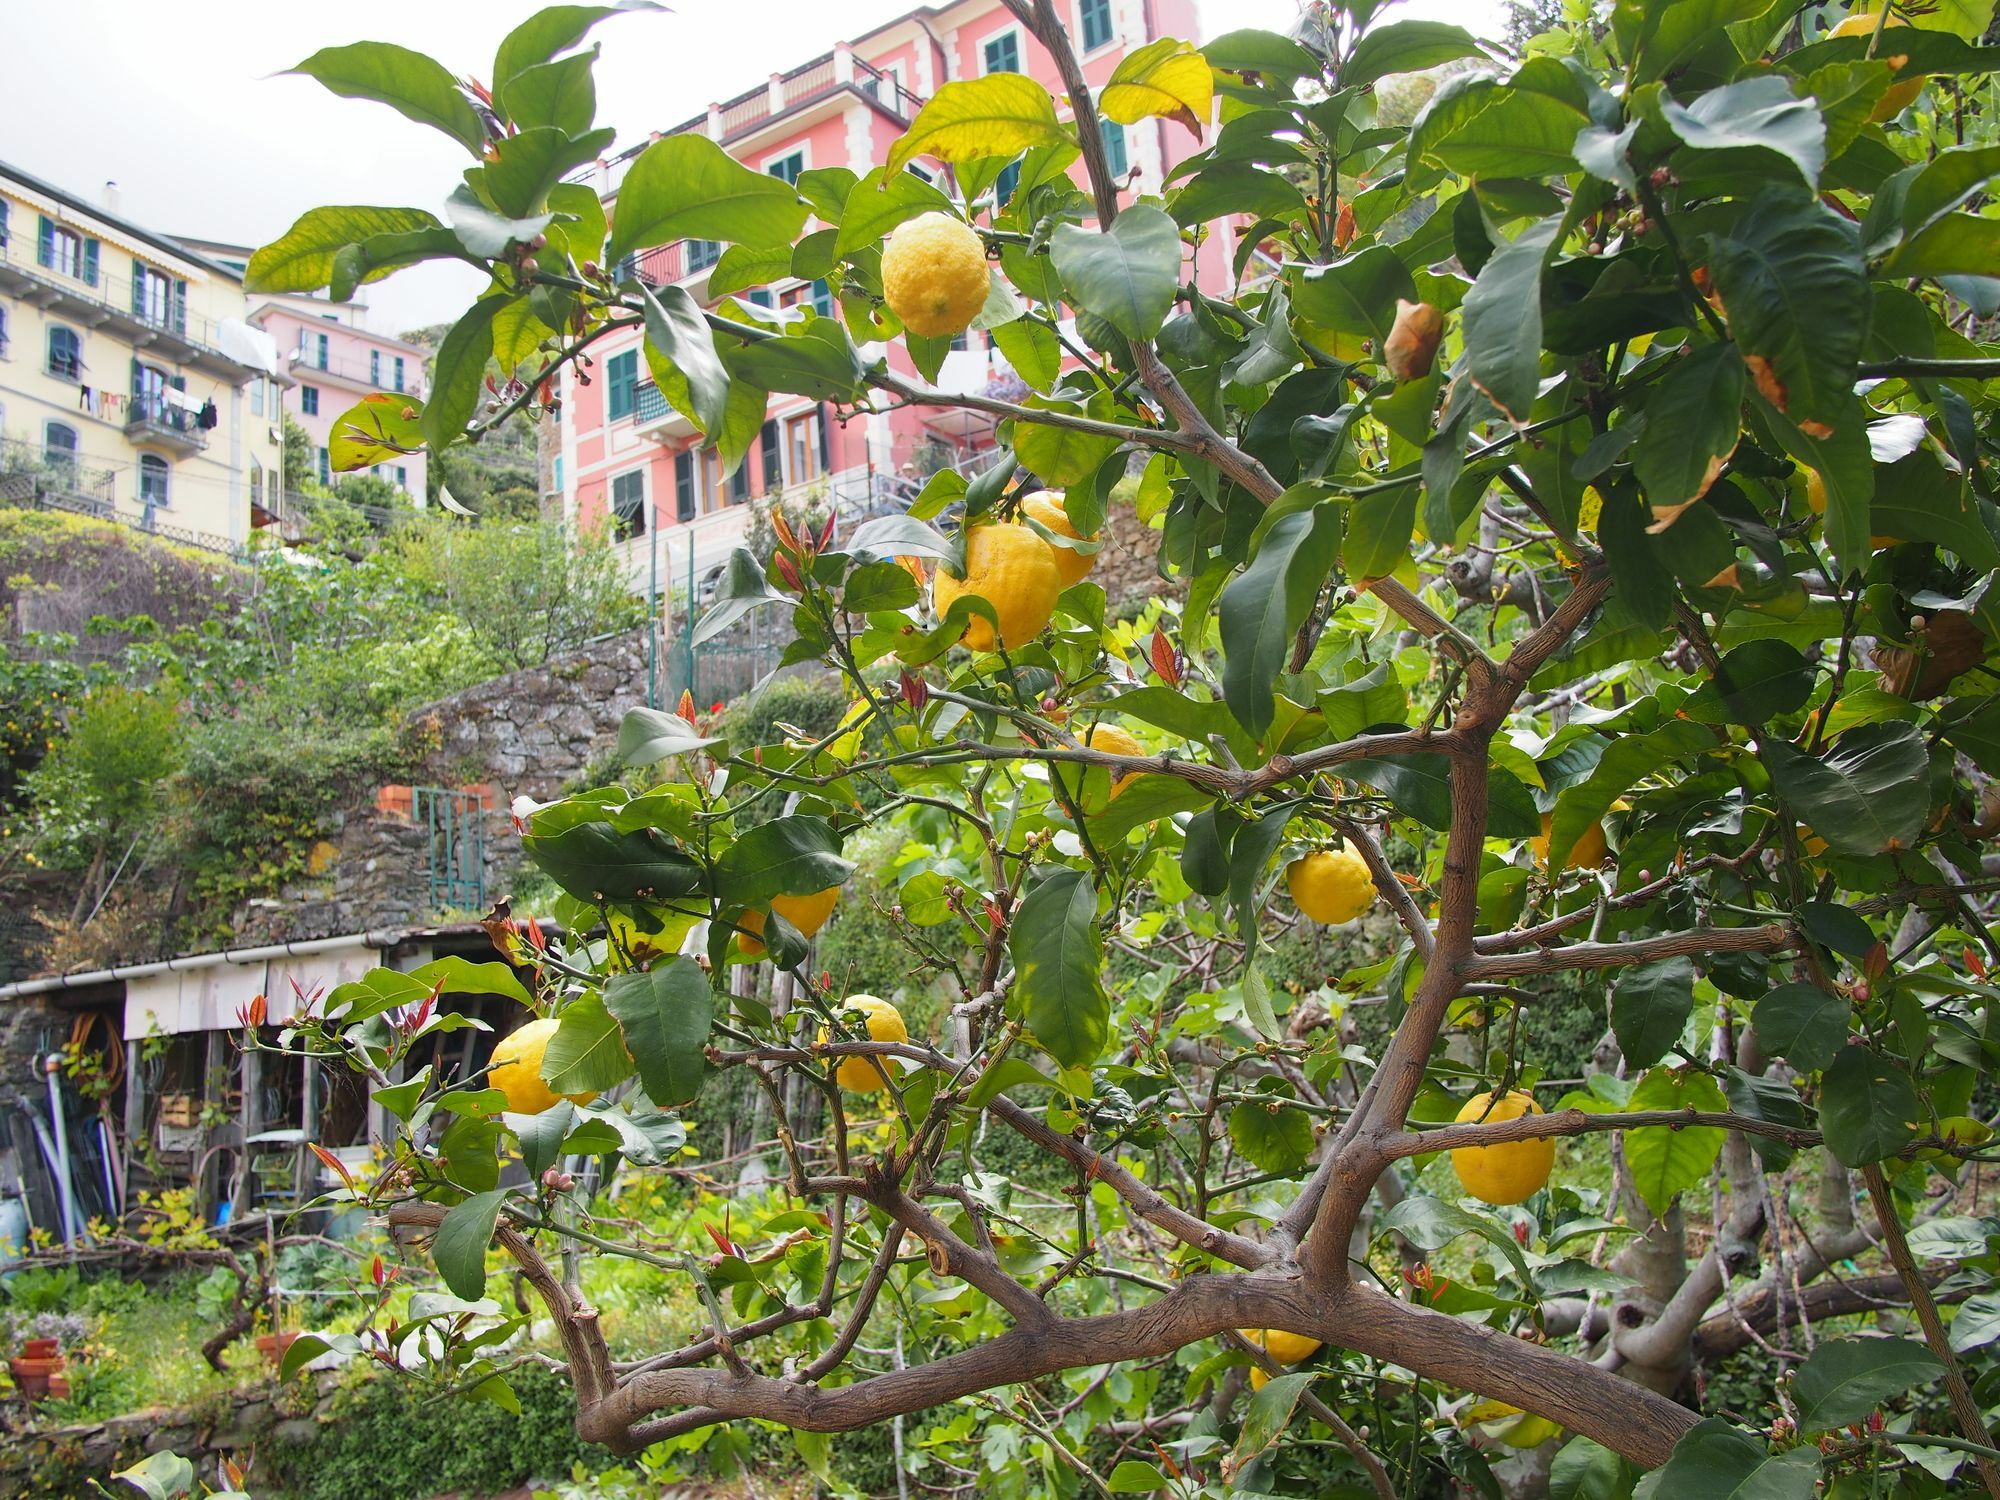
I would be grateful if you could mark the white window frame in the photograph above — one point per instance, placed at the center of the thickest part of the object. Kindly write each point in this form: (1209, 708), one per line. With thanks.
(1013, 29)
(1076, 15)
(803, 151)
(787, 460)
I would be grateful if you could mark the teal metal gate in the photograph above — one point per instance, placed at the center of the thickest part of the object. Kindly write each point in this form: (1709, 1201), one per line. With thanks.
(454, 823)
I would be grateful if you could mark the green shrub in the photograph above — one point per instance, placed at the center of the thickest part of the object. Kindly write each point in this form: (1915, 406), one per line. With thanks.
(391, 1441)
(812, 704)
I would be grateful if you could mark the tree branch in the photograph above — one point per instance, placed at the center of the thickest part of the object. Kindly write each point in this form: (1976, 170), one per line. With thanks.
(1767, 939)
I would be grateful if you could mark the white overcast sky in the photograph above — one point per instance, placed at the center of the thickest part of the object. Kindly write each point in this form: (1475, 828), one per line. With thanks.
(180, 107)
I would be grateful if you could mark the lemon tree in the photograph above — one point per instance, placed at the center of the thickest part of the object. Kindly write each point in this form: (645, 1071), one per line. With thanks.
(1574, 506)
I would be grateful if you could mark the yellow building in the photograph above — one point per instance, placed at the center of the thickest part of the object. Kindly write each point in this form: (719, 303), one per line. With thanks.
(131, 385)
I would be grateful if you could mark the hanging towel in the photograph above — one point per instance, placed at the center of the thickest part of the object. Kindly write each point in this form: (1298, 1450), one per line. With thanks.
(207, 419)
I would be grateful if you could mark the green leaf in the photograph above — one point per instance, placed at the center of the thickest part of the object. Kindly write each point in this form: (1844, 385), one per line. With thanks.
(587, 1054)
(899, 536)
(1958, 244)
(461, 976)
(1478, 127)
(1274, 1138)
(579, 225)
(1693, 419)
(562, 95)
(1803, 1024)
(1791, 276)
(159, 1476)
(542, 1136)
(484, 232)
(665, 1014)
(1405, 47)
(1032, 349)
(1356, 294)
(1754, 683)
(1868, 793)
(595, 863)
(878, 203)
(1128, 275)
(1133, 1477)
(1650, 1006)
(1165, 78)
(743, 588)
(553, 29)
(1587, 1470)
(415, 86)
(459, 1246)
(526, 166)
(1264, 606)
(1844, 1380)
(687, 187)
(789, 856)
(1256, 51)
(1977, 1321)
(382, 255)
(1269, 1413)
(1502, 321)
(1718, 1462)
(302, 259)
(1058, 961)
(677, 331)
(1757, 114)
(1664, 1161)
(458, 374)
(1002, 114)
(1379, 528)
(517, 334)
(379, 428)
(1628, 758)
(815, 359)
(647, 736)
(1060, 456)
(1868, 1109)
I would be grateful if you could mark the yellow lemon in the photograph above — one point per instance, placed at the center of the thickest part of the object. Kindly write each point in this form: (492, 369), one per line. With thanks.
(1816, 502)
(516, 1070)
(1046, 507)
(934, 275)
(1114, 741)
(1513, 1171)
(1901, 92)
(807, 913)
(1587, 853)
(1013, 570)
(864, 1075)
(1331, 886)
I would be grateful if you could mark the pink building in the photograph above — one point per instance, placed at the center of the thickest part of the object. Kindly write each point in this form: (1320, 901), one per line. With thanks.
(628, 457)
(334, 360)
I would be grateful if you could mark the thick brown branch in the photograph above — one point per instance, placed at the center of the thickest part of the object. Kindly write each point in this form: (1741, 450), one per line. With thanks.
(1568, 1122)
(1767, 939)
(1764, 1310)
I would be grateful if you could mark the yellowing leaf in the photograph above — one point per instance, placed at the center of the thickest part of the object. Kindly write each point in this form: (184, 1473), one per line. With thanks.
(1166, 77)
(381, 427)
(1002, 114)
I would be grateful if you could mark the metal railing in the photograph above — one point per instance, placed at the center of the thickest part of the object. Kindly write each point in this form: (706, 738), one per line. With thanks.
(153, 415)
(307, 363)
(112, 292)
(806, 84)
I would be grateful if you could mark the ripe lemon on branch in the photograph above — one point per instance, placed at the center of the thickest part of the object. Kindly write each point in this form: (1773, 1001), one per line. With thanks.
(1331, 886)
(516, 1070)
(1285, 1348)
(1114, 741)
(1513, 1171)
(867, 1074)
(1046, 506)
(1588, 852)
(807, 913)
(1013, 570)
(934, 275)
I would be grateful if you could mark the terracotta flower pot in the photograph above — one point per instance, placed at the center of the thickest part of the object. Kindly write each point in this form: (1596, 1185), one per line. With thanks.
(33, 1376)
(273, 1346)
(40, 1348)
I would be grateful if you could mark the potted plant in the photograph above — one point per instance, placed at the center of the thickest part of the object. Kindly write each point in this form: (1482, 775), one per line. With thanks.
(39, 1369)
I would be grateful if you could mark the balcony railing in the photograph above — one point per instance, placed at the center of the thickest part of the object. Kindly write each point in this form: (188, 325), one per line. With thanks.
(152, 419)
(161, 322)
(306, 363)
(808, 84)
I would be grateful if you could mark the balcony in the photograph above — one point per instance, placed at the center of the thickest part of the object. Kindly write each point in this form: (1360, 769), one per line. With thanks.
(654, 417)
(161, 325)
(153, 421)
(809, 84)
(357, 371)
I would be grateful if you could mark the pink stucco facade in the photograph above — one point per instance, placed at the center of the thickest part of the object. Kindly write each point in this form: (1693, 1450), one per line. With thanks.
(335, 361)
(627, 458)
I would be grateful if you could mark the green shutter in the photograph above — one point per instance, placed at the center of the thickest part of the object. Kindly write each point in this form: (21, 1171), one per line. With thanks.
(45, 242)
(90, 262)
(139, 287)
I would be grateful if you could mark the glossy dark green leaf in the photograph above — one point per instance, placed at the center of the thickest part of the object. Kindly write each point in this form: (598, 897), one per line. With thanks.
(1758, 114)
(1264, 607)
(1502, 321)
(553, 29)
(1867, 793)
(817, 360)
(1693, 419)
(302, 259)
(1356, 294)
(1405, 47)
(1790, 273)
(789, 856)
(458, 374)
(587, 1053)
(676, 329)
(1058, 961)
(523, 169)
(1650, 1006)
(1127, 276)
(1803, 1024)
(1726, 1463)
(1755, 682)
(459, 1246)
(560, 94)
(595, 863)
(1847, 1379)
(1868, 1109)
(665, 1015)
(1274, 1138)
